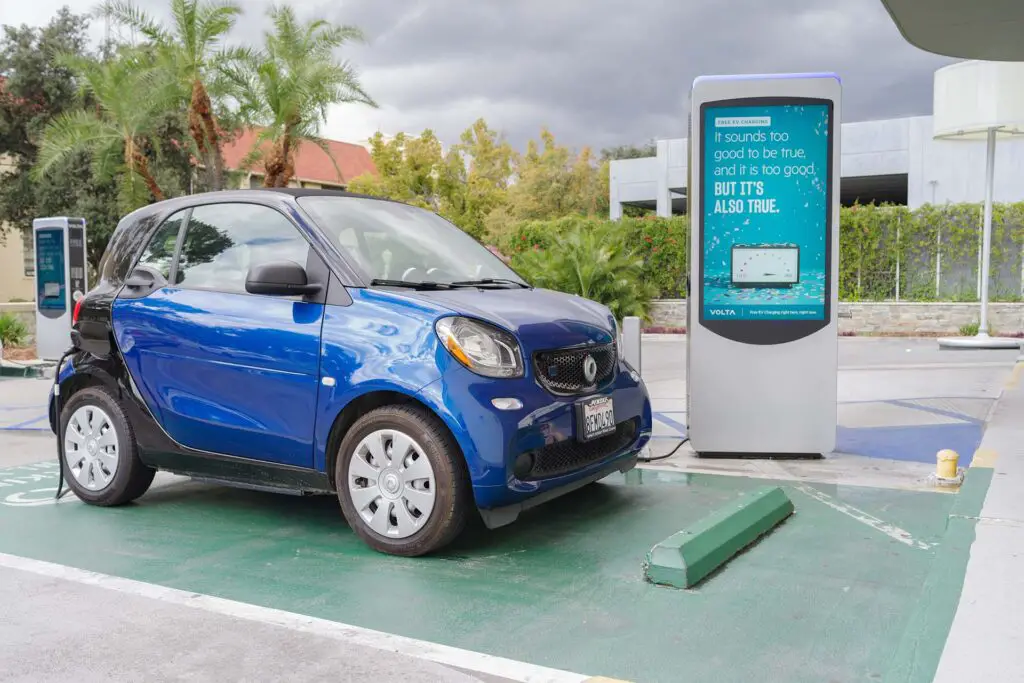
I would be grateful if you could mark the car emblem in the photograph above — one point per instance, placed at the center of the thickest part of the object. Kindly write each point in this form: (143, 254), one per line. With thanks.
(589, 369)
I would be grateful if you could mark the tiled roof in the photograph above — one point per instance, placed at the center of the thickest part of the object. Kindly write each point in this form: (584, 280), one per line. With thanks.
(311, 162)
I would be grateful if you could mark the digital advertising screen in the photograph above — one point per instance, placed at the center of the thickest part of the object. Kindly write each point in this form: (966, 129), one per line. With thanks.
(52, 290)
(765, 210)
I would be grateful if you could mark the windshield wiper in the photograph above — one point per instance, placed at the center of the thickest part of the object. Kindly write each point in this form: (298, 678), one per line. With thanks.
(429, 284)
(488, 281)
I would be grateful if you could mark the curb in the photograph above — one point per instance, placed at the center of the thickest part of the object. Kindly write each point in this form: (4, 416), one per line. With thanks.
(924, 638)
(920, 648)
(20, 371)
(687, 557)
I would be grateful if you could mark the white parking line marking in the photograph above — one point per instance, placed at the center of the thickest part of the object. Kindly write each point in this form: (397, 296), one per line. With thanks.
(420, 649)
(892, 531)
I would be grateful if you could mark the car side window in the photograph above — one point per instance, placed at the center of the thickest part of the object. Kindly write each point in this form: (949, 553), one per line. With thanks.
(223, 241)
(159, 253)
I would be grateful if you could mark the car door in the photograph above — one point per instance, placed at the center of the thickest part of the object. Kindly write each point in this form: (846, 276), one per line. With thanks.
(222, 370)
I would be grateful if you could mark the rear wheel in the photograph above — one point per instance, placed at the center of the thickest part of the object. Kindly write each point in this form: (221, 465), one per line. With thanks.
(101, 462)
(401, 481)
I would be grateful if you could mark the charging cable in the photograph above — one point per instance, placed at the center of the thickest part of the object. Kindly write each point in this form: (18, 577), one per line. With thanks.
(667, 455)
(57, 421)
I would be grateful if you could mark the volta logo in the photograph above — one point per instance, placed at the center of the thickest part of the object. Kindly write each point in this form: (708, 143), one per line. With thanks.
(722, 311)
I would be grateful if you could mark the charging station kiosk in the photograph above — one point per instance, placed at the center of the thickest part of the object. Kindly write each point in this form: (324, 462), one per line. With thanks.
(60, 281)
(762, 327)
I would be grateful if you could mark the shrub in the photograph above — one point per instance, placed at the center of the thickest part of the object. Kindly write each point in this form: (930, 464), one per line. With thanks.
(662, 242)
(970, 329)
(13, 332)
(659, 242)
(594, 260)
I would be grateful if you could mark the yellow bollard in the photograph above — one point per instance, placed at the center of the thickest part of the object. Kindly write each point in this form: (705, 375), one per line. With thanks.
(946, 467)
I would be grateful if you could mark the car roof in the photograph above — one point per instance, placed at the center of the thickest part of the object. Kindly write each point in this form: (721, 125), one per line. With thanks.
(232, 195)
(311, 192)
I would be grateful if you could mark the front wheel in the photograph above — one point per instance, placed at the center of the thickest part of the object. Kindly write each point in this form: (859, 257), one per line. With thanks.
(401, 481)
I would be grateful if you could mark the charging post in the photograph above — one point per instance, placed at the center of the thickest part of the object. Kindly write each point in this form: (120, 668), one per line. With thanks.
(764, 210)
(60, 281)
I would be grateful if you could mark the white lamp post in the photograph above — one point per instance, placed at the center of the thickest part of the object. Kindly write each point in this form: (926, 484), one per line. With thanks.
(981, 101)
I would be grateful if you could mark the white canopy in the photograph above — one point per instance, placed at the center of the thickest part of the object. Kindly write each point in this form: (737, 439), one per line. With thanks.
(969, 29)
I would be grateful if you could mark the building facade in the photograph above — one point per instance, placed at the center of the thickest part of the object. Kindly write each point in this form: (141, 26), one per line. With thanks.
(893, 160)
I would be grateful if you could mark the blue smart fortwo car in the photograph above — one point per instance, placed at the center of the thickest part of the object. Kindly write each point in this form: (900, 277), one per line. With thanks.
(312, 341)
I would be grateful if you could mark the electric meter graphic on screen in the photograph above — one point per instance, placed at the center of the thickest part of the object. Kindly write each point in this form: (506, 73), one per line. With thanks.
(765, 210)
(767, 265)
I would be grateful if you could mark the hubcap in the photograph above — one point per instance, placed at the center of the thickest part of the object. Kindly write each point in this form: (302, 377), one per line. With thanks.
(391, 483)
(91, 448)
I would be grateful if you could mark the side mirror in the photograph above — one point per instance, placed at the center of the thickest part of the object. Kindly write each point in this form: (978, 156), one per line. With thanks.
(279, 278)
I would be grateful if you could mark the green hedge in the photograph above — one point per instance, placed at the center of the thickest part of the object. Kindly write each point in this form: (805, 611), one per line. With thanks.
(872, 241)
(661, 242)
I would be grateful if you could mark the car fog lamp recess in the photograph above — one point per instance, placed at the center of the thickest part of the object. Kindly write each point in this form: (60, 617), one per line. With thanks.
(523, 465)
(481, 347)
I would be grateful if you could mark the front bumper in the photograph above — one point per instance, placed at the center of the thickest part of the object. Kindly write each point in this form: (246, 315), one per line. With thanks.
(497, 517)
(492, 439)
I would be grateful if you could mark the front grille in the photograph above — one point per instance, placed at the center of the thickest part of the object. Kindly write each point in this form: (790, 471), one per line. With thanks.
(562, 371)
(570, 455)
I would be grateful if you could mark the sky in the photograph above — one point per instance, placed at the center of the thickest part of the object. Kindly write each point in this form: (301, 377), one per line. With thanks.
(595, 72)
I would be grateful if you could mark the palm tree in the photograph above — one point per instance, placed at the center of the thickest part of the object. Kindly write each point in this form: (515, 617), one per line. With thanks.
(593, 260)
(191, 52)
(115, 127)
(286, 88)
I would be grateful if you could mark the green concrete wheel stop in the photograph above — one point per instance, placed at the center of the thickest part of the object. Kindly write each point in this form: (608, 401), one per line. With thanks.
(685, 558)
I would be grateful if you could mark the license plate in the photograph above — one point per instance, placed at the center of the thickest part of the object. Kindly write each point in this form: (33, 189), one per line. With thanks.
(596, 418)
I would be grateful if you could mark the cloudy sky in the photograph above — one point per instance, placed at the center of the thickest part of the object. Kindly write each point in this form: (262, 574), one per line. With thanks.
(596, 72)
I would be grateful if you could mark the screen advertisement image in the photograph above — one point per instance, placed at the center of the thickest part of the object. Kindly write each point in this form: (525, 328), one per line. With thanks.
(52, 290)
(766, 210)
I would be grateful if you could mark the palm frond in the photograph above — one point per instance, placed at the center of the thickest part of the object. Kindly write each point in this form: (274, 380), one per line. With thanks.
(71, 132)
(128, 14)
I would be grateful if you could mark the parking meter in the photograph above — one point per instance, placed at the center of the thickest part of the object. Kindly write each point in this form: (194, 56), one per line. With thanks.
(60, 281)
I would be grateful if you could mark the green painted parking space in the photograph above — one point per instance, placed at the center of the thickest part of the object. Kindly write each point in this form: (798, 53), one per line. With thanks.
(835, 592)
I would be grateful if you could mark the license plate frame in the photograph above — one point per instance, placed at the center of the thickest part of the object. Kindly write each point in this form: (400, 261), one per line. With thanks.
(595, 407)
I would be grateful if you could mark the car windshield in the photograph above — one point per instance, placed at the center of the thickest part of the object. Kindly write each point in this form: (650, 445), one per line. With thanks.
(397, 243)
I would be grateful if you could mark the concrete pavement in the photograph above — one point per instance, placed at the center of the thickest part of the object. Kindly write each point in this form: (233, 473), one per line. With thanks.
(64, 629)
(986, 641)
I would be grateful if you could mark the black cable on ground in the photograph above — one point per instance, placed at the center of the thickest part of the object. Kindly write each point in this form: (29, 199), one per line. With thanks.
(57, 423)
(667, 455)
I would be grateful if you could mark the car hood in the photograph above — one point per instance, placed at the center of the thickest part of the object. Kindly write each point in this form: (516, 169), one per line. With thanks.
(541, 318)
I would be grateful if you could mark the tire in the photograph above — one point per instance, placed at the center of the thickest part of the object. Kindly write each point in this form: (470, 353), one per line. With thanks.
(85, 452)
(383, 512)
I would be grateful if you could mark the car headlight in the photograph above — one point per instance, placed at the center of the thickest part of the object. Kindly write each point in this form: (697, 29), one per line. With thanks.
(483, 348)
(618, 341)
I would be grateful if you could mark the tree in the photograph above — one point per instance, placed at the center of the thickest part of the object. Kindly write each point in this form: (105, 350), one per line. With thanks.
(288, 85)
(552, 181)
(475, 177)
(408, 169)
(191, 53)
(34, 88)
(117, 131)
(649, 149)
